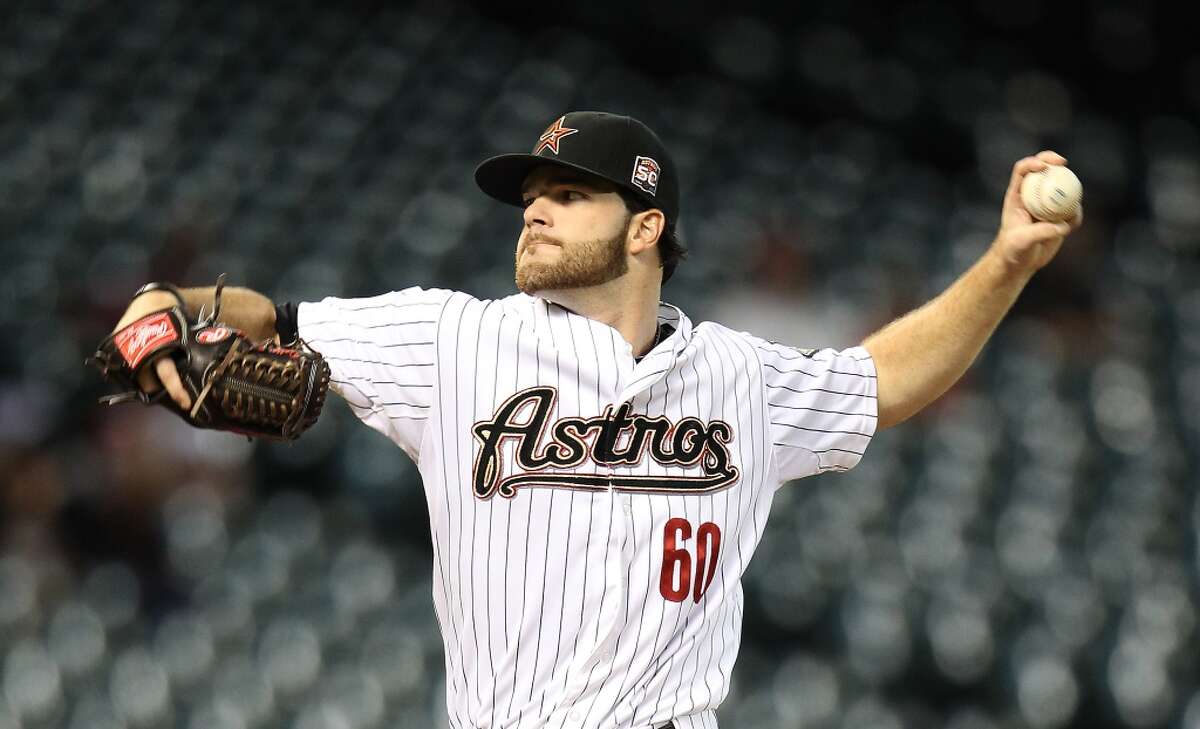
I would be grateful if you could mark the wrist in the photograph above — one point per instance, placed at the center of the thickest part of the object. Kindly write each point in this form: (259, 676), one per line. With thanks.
(146, 303)
(161, 286)
(1002, 270)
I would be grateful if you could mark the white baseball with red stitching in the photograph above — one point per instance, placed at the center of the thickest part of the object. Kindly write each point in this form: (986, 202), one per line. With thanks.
(1052, 194)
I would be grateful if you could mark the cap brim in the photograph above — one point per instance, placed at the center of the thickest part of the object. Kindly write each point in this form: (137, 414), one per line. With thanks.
(503, 176)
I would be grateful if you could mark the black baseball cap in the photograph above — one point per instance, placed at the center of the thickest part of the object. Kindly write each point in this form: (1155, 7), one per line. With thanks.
(617, 148)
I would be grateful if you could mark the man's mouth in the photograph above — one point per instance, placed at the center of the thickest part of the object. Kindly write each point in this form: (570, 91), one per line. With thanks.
(540, 241)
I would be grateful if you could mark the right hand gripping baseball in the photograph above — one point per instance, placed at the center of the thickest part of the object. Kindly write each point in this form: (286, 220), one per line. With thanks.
(1024, 243)
(215, 376)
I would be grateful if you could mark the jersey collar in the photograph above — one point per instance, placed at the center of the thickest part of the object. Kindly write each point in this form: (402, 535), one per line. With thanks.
(545, 311)
(673, 315)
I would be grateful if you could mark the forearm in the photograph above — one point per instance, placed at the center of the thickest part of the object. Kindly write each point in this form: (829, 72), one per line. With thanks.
(919, 356)
(241, 308)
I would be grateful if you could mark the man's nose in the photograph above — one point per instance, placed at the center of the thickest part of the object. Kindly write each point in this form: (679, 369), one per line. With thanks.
(537, 213)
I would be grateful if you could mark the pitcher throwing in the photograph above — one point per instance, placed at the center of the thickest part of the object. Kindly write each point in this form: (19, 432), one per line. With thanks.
(598, 468)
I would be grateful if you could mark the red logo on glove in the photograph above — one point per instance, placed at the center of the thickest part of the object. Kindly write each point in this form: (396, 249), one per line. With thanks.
(214, 335)
(145, 336)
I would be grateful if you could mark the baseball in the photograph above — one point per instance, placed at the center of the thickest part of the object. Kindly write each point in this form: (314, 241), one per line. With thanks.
(1052, 194)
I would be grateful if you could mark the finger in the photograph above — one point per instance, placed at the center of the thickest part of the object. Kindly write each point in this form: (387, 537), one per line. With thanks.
(1023, 166)
(1051, 157)
(148, 381)
(169, 377)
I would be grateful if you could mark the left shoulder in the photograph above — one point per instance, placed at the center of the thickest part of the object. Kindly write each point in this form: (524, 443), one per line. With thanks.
(769, 350)
(715, 331)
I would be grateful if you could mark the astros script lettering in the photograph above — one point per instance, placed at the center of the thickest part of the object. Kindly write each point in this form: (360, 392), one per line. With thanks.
(684, 443)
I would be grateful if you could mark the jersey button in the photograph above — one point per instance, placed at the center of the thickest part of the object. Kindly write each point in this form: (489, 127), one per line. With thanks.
(627, 507)
(573, 716)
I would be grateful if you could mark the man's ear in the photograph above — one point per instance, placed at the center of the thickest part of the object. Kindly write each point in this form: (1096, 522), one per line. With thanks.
(645, 228)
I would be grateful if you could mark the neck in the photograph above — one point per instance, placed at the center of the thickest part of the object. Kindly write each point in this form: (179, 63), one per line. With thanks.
(623, 304)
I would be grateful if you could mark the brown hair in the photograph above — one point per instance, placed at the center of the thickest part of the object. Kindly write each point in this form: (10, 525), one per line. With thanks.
(671, 249)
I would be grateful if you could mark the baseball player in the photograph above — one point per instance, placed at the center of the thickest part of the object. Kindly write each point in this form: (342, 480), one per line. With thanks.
(598, 468)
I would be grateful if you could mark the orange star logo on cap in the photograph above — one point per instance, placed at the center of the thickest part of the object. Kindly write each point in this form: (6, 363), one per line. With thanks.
(553, 135)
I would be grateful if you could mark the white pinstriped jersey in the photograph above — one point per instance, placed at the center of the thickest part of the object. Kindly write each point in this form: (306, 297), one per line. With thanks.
(591, 515)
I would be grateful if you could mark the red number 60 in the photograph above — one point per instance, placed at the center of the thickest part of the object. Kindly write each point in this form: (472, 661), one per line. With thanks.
(677, 558)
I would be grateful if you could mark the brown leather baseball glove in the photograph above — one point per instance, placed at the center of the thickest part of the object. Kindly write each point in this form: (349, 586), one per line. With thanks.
(260, 389)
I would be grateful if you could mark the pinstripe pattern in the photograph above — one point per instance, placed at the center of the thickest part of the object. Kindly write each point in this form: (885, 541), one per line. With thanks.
(557, 602)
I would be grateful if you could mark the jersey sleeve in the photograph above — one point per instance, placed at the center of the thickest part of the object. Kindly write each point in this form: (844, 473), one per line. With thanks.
(821, 404)
(382, 356)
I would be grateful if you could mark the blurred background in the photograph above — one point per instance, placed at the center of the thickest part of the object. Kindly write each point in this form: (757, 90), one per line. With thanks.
(1023, 555)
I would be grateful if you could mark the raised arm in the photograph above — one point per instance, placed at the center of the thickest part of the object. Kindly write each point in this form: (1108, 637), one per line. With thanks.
(920, 355)
(241, 308)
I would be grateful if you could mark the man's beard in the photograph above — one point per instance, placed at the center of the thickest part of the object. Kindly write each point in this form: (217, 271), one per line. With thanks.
(590, 263)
